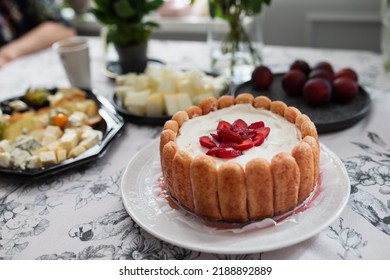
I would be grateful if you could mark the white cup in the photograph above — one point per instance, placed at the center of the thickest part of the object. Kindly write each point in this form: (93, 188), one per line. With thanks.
(74, 54)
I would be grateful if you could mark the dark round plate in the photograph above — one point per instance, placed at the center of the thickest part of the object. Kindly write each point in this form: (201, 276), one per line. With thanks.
(330, 117)
(143, 120)
(111, 125)
(113, 68)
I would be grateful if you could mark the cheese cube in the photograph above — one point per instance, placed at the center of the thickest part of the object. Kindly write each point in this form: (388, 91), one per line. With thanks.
(48, 139)
(69, 140)
(33, 162)
(5, 159)
(76, 151)
(155, 105)
(60, 155)
(53, 130)
(77, 119)
(90, 141)
(48, 158)
(139, 98)
(5, 146)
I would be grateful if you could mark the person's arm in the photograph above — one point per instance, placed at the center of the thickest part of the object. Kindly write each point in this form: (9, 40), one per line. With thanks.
(41, 37)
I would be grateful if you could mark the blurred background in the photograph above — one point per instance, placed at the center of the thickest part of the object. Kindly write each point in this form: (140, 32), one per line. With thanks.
(346, 24)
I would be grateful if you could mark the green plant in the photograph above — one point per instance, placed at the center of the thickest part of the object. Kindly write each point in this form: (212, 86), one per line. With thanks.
(233, 12)
(125, 19)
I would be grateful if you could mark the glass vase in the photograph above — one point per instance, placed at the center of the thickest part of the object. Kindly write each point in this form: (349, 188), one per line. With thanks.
(385, 36)
(235, 46)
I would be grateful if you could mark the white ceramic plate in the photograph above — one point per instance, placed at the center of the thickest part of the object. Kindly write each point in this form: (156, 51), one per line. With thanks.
(143, 200)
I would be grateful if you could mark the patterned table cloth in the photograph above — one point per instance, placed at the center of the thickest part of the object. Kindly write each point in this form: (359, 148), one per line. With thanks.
(79, 213)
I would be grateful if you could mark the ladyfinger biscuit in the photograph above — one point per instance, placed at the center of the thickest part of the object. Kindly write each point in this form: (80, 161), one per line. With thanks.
(308, 129)
(262, 102)
(172, 125)
(194, 111)
(278, 107)
(166, 136)
(304, 157)
(180, 117)
(225, 101)
(208, 105)
(259, 185)
(232, 192)
(315, 148)
(244, 98)
(204, 175)
(168, 154)
(300, 119)
(181, 179)
(291, 114)
(285, 175)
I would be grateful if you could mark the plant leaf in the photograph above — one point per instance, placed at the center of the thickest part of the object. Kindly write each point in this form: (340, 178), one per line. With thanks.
(124, 9)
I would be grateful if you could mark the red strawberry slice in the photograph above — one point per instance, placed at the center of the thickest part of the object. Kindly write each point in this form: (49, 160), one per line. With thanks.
(238, 125)
(225, 153)
(247, 133)
(215, 137)
(227, 144)
(206, 142)
(258, 139)
(263, 130)
(214, 151)
(256, 125)
(223, 125)
(229, 135)
(244, 145)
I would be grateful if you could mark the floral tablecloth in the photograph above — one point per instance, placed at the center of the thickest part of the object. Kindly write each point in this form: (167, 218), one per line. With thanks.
(79, 213)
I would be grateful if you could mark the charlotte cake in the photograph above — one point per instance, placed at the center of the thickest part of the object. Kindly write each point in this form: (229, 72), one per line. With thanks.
(239, 159)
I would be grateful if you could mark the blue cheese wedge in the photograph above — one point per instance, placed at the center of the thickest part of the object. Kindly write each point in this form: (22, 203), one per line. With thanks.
(19, 158)
(27, 143)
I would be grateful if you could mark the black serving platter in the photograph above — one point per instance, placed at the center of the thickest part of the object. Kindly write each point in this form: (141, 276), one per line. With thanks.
(327, 118)
(111, 125)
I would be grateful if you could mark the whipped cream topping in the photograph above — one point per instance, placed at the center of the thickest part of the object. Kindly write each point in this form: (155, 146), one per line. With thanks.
(283, 137)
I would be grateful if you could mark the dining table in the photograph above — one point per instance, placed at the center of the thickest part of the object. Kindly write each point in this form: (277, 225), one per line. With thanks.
(100, 210)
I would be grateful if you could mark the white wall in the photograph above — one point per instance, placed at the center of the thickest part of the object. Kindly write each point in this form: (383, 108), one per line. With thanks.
(353, 24)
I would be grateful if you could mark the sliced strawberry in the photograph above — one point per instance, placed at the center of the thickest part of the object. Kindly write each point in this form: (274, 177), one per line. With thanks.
(256, 125)
(264, 130)
(229, 135)
(239, 125)
(223, 125)
(247, 133)
(227, 144)
(215, 137)
(244, 145)
(206, 142)
(226, 153)
(258, 139)
(214, 151)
